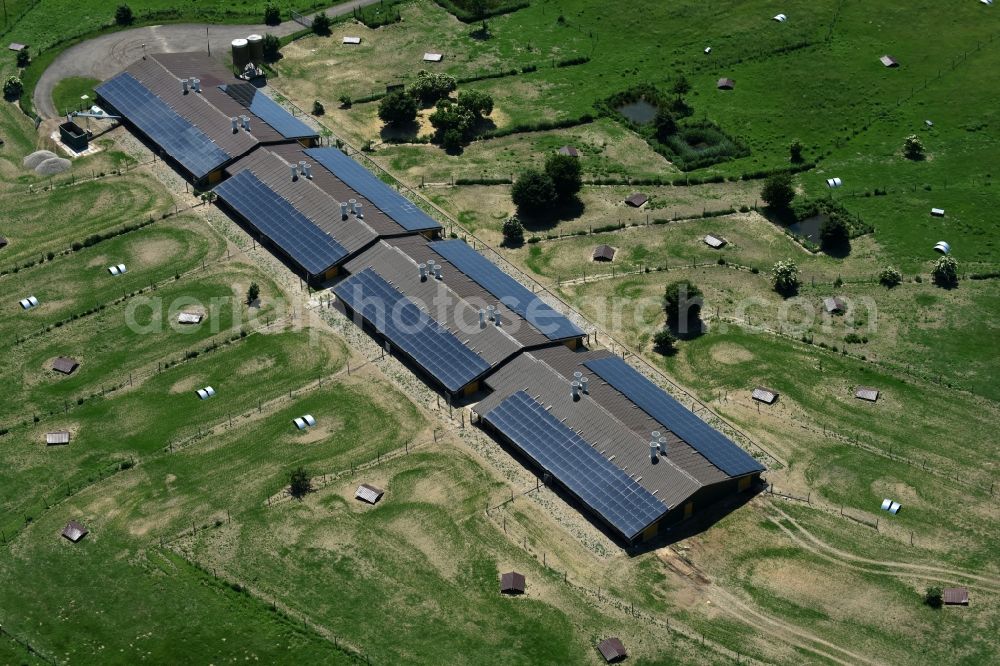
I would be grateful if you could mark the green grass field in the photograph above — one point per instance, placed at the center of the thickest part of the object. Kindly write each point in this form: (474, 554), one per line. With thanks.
(196, 554)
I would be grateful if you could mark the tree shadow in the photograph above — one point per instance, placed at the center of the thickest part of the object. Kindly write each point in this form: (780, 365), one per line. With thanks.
(482, 126)
(399, 131)
(837, 250)
(545, 220)
(693, 328)
(781, 216)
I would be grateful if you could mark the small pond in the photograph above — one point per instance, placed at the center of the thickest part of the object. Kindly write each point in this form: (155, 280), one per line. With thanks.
(809, 227)
(640, 111)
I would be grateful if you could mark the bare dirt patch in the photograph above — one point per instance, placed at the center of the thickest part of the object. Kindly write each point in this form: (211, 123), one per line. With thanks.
(157, 252)
(185, 385)
(731, 354)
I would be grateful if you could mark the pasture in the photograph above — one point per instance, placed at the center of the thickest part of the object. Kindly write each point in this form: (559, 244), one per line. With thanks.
(195, 548)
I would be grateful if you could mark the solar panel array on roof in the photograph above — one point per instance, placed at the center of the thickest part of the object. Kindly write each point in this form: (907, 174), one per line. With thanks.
(705, 439)
(411, 329)
(403, 211)
(608, 490)
(183, 141)
(278, 219)
(509, 291)
(268, 110)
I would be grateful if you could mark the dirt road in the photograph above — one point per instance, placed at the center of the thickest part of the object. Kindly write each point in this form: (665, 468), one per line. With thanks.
(105, 56)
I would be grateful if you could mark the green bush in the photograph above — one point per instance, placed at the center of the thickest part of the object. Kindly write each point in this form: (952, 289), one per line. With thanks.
(513, 231)
(565, 173)
(946, 272)
(431, 87)
(272, 48)
(777, 191)
(682, 303)
(665, 342)
(272, 15)
(398, 108)
(533, 190)
(123, 15)
(12, 88)
(321, 24)
(785, 277)
(890, 276)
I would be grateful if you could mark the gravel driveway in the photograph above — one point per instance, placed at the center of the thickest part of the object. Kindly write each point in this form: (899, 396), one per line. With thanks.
(105, 56)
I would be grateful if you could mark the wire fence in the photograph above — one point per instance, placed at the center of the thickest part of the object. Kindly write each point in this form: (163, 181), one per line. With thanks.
(560, 304)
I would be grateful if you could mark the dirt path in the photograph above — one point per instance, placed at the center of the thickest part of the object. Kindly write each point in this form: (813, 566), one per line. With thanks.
(784, 631)
(816, 546)
(105, 56)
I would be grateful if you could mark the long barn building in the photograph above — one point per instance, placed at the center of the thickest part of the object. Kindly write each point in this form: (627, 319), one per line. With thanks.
(615, 443)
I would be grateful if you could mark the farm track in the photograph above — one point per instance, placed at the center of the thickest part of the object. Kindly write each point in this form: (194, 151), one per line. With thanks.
(813, 544)
(104, 56)
(789, 633)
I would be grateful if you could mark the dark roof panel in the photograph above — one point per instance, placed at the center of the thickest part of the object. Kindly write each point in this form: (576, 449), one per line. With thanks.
(708, 441)
(406, 213)
(507, 290)
(307, 197)
(411, 329)
(512, 583)
(611, 493)
(265, 108)
(184, 142)
(449, 301)
(277, 218)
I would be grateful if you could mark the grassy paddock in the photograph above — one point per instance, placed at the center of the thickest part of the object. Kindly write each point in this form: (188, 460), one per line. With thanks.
(160, 411)
(71, 283)
(130, 337)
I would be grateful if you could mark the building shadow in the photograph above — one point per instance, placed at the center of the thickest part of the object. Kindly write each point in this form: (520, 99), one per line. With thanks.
(700, 522)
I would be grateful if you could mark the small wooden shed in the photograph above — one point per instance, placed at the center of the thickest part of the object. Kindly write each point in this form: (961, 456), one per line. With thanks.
(569, 150)
(612, 650)
(512, 583)
(57, 438)
(955, 596)
(765, 395)
(369, 494)
(889, 61)
(65, 365)
(834, 304)
(604, 253)
(725, 84)
(715, 242)
(74, 531)
(866, 393)
(636, 199)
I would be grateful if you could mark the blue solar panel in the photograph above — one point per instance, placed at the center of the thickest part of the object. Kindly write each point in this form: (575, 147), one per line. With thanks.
(411, 329)
(403, 211)
(653, 400)
(608, 490)
(507, 290)
(183, 141)
(277, 219)
(274, 115)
